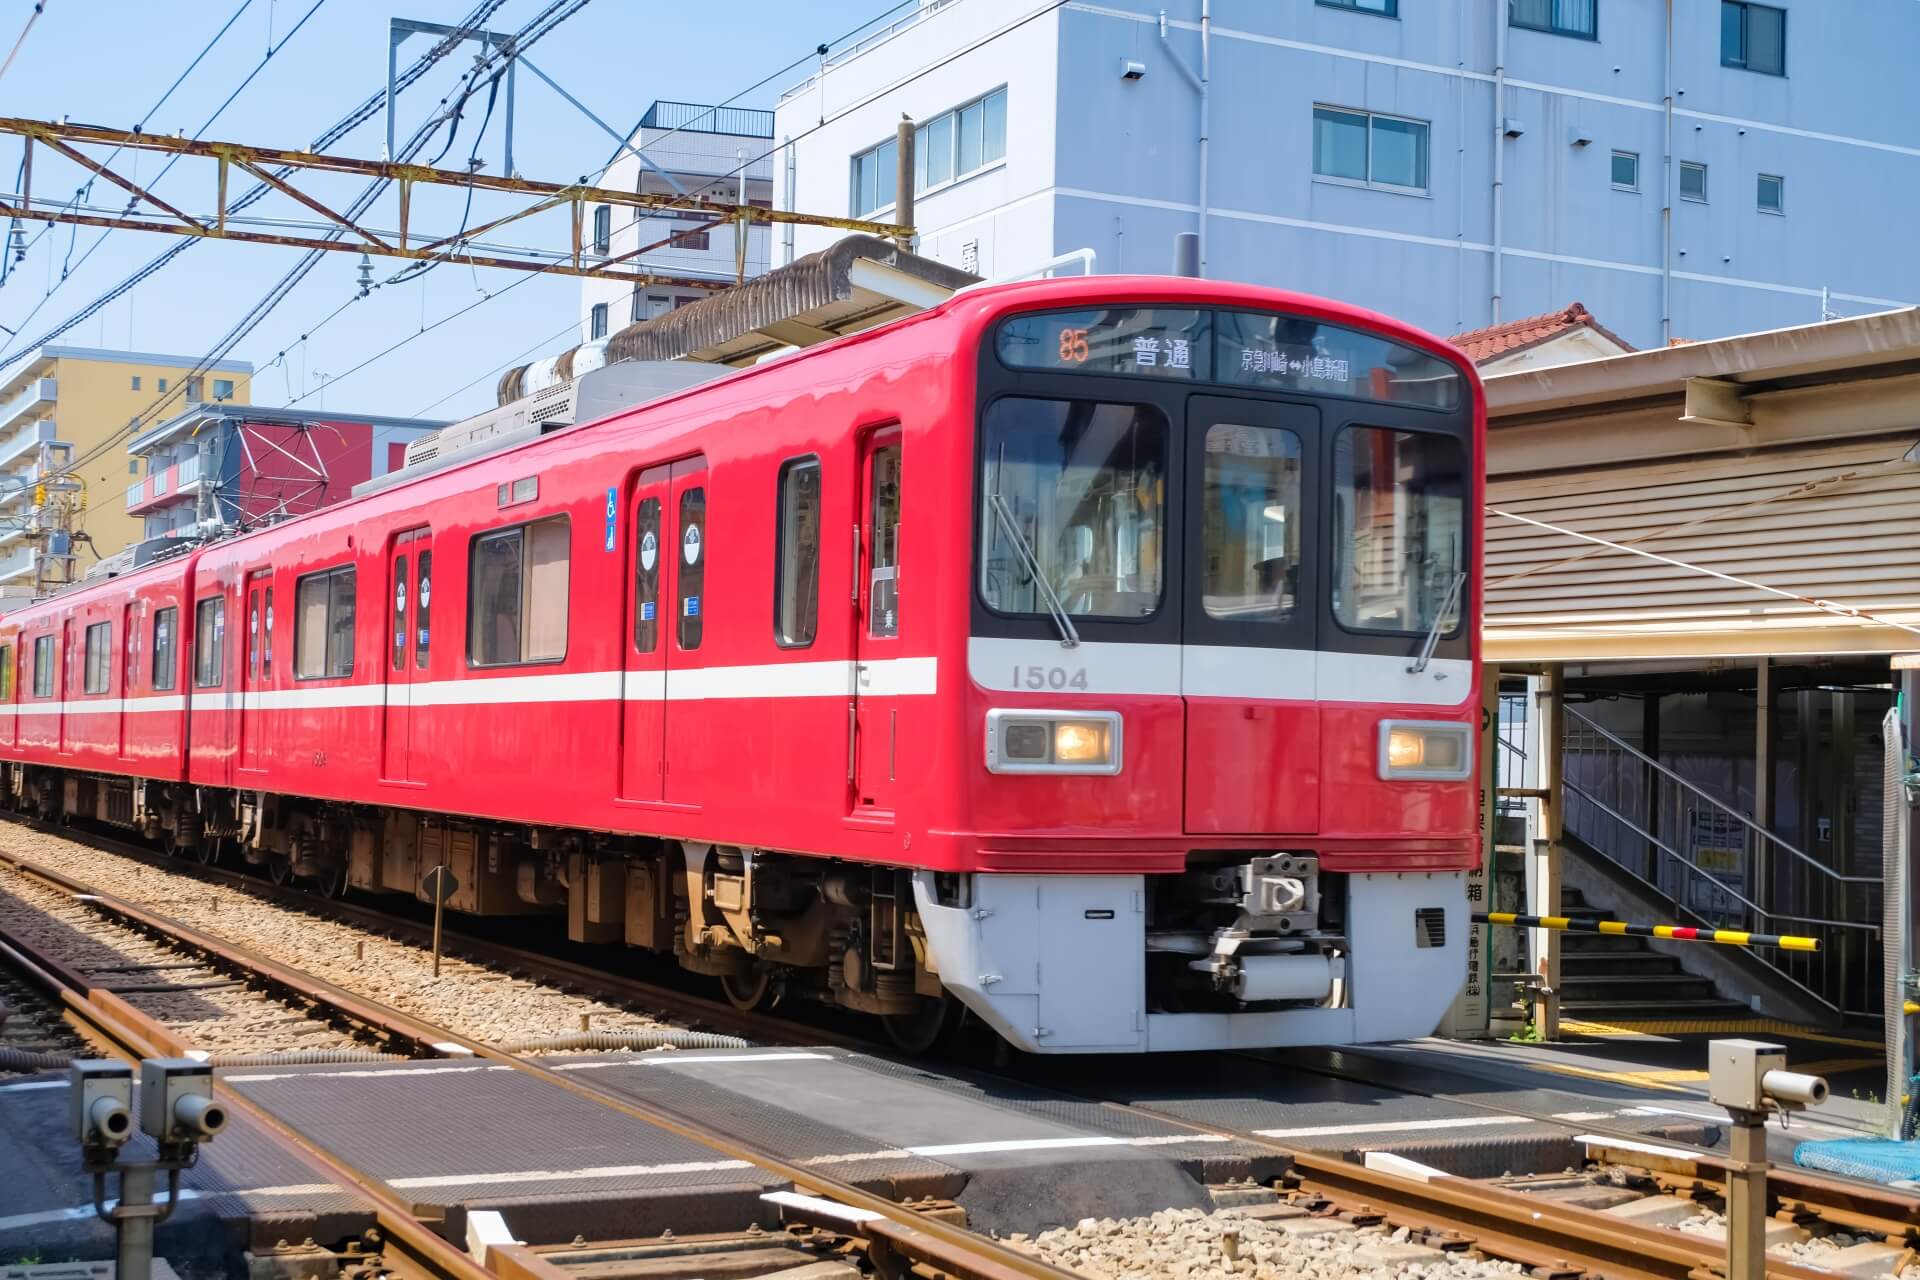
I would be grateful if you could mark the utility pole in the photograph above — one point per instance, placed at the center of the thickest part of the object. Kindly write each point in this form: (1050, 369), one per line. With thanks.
(59, 500)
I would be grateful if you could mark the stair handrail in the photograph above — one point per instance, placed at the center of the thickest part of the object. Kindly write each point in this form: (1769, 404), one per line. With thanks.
(1587, 722)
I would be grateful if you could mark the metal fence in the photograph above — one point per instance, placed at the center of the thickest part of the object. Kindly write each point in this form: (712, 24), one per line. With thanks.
(692, 117)
(1715, 865)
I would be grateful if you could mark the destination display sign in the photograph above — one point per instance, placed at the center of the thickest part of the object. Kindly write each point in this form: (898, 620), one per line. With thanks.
(1238, 348)
(1132, 340)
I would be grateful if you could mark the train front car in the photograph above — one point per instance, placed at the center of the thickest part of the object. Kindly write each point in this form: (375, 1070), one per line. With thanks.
(1222, 647)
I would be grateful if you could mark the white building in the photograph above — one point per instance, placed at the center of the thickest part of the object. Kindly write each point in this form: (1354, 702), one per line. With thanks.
(1455, 163)
(684, 149)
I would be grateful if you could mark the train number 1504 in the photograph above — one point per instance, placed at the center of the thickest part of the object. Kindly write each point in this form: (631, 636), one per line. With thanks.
(1049, 678)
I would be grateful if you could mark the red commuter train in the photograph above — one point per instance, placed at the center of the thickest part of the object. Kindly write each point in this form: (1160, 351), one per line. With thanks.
(1097, 654)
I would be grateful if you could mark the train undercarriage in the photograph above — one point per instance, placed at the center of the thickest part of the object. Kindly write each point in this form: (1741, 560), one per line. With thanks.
(1236, 933)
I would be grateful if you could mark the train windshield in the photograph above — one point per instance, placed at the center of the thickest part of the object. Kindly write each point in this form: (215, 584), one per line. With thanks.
(1398, 540)
(1074, 502)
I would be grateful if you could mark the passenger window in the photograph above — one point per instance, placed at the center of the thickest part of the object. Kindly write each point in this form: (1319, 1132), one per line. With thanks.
(517, 605)
(163, 632)
(43, 666)
(6, 673)
(692, 574)
(399, 613)
(796, 604)
(209, 641)
(266, 640)
(323, 609)
(1251, 523)
(253, 632)
(883, 592)
(646, 576)
(423, 597)
(99, 642)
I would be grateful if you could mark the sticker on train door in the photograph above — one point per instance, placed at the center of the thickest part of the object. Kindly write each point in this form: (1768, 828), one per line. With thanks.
(613, 501)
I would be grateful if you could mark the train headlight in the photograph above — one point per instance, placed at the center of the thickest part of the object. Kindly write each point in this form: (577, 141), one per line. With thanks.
(1429, 750)
(1022, 741)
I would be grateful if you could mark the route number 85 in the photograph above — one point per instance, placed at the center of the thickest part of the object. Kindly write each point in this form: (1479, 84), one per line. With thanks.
(1049, 678)
(1073, 346)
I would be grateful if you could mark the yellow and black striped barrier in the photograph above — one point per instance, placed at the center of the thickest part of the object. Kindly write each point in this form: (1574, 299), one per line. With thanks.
(1675, 932)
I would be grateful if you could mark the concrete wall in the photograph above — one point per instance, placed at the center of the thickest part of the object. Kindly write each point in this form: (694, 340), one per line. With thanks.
(1101, 162)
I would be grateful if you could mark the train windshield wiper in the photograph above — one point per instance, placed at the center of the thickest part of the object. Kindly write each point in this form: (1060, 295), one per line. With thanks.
(1432, 641)
(1068, 636)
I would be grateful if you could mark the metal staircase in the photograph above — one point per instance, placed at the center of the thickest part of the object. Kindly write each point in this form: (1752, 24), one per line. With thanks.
(1714, 867)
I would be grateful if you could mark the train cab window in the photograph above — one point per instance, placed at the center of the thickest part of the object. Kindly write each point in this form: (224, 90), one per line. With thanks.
(164, 628)
(692, 574)
(43, 666)
(796, 606)
(323, 611)
(1251, 523)
(646, 576)
(209, 642)
(423, 599)
(517, 605)
(1398, 534)
(6, 673)
(883, 587)
(1076, 490)
(99, 641)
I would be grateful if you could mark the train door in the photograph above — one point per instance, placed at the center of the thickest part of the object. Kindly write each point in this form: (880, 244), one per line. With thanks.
(129, 640)
(10, 686)
(643, 705)
(690, 745)
(408, 566)
(69, 683)
(1248, 664)
(873, 755)
(253, 679)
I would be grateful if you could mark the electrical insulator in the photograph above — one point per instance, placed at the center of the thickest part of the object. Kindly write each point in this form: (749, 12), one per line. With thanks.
(366, 275)
(18, 239)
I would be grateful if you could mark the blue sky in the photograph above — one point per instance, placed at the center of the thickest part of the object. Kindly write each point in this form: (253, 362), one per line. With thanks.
(106, 61)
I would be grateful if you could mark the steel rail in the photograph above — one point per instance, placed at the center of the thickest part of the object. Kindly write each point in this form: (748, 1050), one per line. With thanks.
(134, 1034)
(888, 1226)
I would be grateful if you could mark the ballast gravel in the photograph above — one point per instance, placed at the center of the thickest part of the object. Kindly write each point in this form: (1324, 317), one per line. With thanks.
(1188, 1244)
(475, 1001)
(206, 1007)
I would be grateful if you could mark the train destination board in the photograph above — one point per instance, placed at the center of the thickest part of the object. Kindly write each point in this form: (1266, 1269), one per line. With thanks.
(1133, 340)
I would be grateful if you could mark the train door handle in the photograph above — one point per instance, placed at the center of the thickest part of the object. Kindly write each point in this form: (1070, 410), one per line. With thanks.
(853, 574)
(853, 713)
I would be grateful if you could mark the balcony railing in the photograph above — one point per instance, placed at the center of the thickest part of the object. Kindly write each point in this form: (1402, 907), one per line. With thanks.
(175, 481)
(30, 436)
(38, 392)
(692, 117)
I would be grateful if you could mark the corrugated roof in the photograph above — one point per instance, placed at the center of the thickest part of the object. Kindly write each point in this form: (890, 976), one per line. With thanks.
(1482, 345)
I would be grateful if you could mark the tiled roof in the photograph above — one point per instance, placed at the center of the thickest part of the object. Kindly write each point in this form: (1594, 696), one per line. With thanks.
(1482, 345)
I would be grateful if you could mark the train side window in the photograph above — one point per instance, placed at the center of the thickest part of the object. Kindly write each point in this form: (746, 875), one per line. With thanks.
(266, 640)
(423, 597)
(163, 632)
(399, 612)
(209, 642)
(796, 605)
(646, 576)
(691, 577)
(6, 673)
(517, 604)
(323, 609)
(43, 666)
(883, 592)
(99, 640)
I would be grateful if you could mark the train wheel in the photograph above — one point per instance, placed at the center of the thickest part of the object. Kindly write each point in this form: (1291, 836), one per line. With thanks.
(918, 1032)
(279, 870)
(207, 852)
(747, 991)
(332, 883)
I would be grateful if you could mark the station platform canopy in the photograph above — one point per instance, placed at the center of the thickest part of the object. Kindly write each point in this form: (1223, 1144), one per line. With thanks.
(1750, 496)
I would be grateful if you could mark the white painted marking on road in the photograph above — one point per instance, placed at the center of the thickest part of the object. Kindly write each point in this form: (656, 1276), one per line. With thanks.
(564, 1175)
(1584, 1116)
(1645, 1148)
(816, 1205)
(1393, 1126)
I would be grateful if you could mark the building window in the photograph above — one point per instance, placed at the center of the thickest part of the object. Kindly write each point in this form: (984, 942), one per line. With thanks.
(163, 632)
(1771, 195)
(133, 466)
(99, 640)
(517, 603)
(1385, 8)
(163, 384)
(136, 382)
(946, 148)
(796, 602)
(1378, 151)
(1626, 171)
(43, 666)
(323, 610)
(597, 325)
(696, 238)
(209, 641)
(193, 388)
(639, 312)
(603, 228)
(223, 388)
(1693, 181)
(1753, 37)
(1561, 17)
